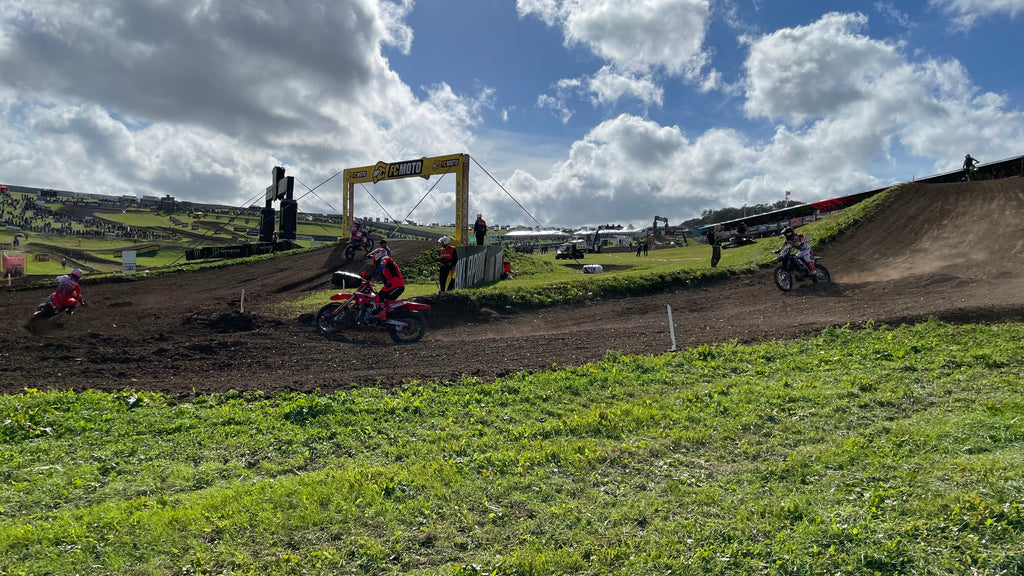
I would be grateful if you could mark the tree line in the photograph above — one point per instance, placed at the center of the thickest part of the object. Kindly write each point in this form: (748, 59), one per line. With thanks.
(710, 216)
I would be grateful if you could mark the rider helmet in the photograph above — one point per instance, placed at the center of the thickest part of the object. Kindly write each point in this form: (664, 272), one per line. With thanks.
(76, 274)
(444, 240)
(479, 216)
(788, 232)
(378, 255)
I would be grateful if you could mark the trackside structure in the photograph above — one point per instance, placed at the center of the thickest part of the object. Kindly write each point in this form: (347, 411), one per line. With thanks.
(457, 164)
(477, 264)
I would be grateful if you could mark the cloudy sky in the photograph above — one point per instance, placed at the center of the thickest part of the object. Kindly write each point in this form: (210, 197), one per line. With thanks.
(575, 112)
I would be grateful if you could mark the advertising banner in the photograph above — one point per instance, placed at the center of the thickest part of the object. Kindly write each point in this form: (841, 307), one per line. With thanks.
(13, 264)
(128, 262)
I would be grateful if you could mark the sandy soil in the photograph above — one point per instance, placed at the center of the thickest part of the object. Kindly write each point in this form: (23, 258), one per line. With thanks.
(951, 251)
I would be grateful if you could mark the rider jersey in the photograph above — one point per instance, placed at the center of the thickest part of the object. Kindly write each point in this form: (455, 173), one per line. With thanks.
(392, 275)
(67, 288)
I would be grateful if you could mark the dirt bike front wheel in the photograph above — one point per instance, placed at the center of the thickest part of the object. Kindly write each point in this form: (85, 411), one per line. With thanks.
(328, 320)
(783, 279)
(413, 327)
(36, 321)
(350, 252)
(821, 275)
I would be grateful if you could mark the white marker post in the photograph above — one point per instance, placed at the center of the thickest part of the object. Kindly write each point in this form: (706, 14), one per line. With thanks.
(241, 303)
(671, 328)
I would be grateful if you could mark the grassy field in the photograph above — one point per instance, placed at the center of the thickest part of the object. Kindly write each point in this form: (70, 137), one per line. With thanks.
(98, 255)
(883, 451)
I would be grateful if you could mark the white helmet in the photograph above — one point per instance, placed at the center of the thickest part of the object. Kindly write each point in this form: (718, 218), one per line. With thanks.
(479, 215)
(444, 240)
(76, 274)
(378, 255)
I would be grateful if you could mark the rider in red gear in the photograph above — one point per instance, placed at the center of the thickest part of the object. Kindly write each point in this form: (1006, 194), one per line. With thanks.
(447, 260)
(357, 232)
(394, 283)
(69, 292)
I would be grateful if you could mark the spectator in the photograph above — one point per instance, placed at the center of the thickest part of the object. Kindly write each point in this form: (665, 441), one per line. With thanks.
(716, 248)
(447, 260)
(480, 229)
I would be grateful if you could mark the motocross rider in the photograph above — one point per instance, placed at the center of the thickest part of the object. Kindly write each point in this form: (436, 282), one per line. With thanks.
(394, 284)
(358, 233)
(969, 163)
(799, 243)
(69, 292)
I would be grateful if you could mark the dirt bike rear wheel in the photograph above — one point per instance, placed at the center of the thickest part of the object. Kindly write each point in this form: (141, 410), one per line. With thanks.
(350, 252)
(326, 320)
(783, 279)
(415, 326)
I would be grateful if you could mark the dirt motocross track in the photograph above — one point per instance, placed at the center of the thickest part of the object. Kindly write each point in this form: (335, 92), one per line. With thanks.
(950, 251)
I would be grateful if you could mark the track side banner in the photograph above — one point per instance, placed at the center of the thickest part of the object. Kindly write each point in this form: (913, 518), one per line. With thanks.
(457, 164)
(478, 265)
(423, 167)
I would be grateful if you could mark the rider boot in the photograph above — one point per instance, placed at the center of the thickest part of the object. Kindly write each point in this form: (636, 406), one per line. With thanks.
(363, 317)
(380, 312)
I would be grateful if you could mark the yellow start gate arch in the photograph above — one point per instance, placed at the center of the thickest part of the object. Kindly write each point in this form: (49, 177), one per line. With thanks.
(457, 164)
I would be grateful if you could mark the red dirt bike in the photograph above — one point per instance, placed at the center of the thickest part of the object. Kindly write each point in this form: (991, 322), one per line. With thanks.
(792, 267)
(47, 310)
(403, 320)
(355, 244)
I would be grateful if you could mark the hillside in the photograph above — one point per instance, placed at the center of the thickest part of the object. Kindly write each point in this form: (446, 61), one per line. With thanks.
(950, 251)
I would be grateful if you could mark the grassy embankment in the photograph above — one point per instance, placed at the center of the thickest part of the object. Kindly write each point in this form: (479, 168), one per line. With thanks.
(882, 451)
(543, 281)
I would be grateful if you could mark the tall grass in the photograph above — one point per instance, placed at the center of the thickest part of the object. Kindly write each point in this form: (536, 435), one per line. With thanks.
(888, 451)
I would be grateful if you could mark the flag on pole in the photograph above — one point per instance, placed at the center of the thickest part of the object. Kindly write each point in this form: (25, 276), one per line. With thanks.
(787, 192)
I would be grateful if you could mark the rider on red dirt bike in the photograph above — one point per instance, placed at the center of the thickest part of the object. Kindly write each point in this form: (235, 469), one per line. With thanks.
(394, 283)
(358, 233)
(69, 292)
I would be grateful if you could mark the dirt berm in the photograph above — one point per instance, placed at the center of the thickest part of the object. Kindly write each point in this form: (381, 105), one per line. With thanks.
(951, 251)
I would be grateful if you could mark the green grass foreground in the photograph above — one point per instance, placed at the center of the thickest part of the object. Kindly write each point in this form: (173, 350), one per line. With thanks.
(882, 451)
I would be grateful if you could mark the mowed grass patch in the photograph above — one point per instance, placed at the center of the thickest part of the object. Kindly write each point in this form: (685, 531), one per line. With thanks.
(887, 450)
